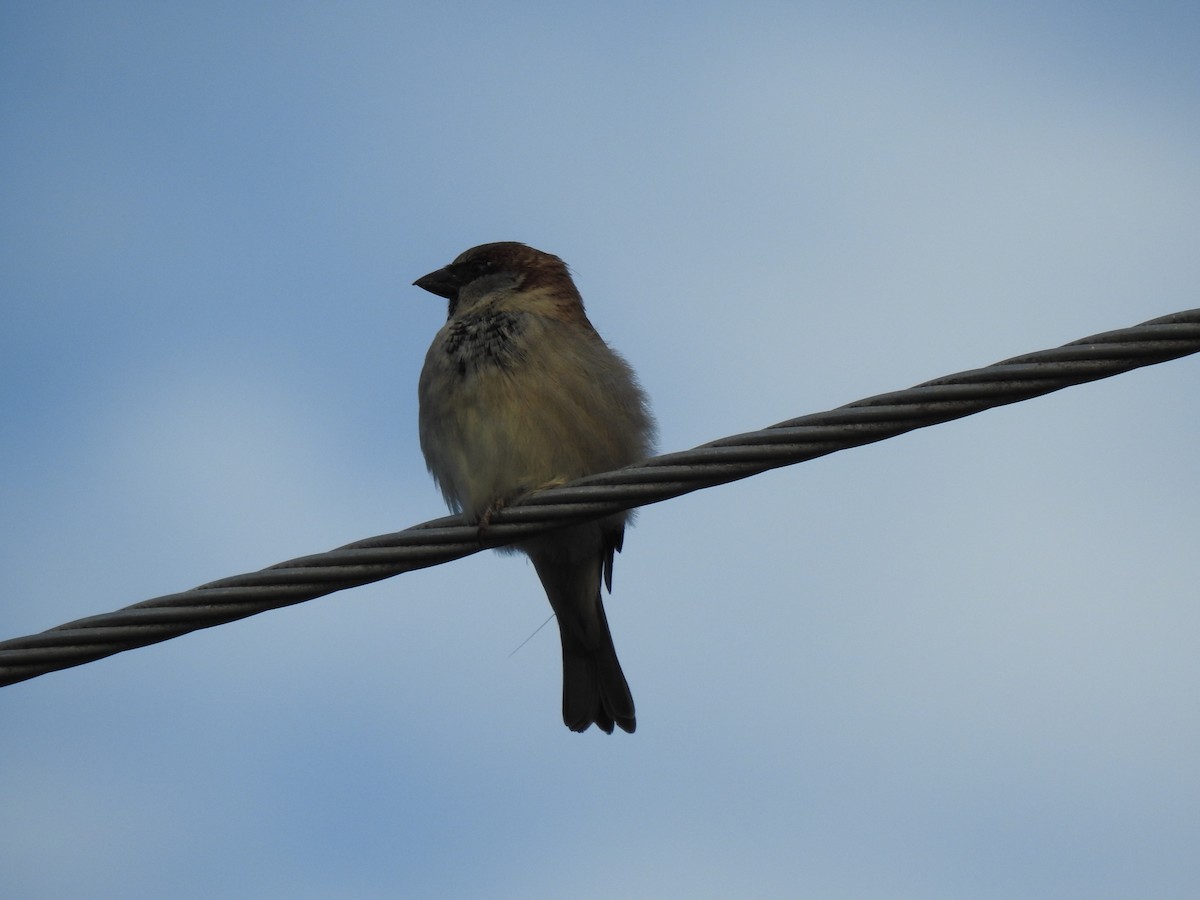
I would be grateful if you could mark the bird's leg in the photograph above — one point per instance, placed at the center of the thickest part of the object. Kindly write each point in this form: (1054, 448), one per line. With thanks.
(499, 503)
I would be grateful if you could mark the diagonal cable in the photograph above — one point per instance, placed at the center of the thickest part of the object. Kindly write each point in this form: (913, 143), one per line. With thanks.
(652, 481)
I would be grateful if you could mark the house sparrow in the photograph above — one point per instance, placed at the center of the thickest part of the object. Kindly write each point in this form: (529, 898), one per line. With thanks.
(519, 393)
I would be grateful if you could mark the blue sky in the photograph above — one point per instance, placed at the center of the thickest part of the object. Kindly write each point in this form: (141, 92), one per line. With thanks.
(958, 663)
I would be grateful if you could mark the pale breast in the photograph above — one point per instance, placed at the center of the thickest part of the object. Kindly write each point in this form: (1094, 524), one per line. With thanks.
(511, 402)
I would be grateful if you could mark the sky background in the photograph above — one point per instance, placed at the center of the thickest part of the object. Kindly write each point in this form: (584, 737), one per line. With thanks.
(960, 663)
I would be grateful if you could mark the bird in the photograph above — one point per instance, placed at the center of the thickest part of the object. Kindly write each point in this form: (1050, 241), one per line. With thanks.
(519, 392)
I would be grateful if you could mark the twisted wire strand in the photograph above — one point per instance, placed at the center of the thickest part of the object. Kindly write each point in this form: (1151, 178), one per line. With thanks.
(652, 481)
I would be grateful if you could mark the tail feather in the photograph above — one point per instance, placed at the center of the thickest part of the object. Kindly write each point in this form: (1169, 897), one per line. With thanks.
(594, 687)
(570, 564)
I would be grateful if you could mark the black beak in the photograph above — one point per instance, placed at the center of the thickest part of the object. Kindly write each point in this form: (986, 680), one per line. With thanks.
(445, 282)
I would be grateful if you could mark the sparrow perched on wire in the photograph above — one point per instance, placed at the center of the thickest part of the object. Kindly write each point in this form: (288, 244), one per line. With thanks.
(518, 393)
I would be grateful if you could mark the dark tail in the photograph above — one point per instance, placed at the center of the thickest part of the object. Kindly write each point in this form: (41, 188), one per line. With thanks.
(594, 687)
(570, 563)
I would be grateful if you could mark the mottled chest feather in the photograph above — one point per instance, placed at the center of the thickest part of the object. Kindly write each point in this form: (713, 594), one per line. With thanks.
(488, 339)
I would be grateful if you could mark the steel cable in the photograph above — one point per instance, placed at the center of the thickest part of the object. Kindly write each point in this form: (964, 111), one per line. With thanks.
(652, 481)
